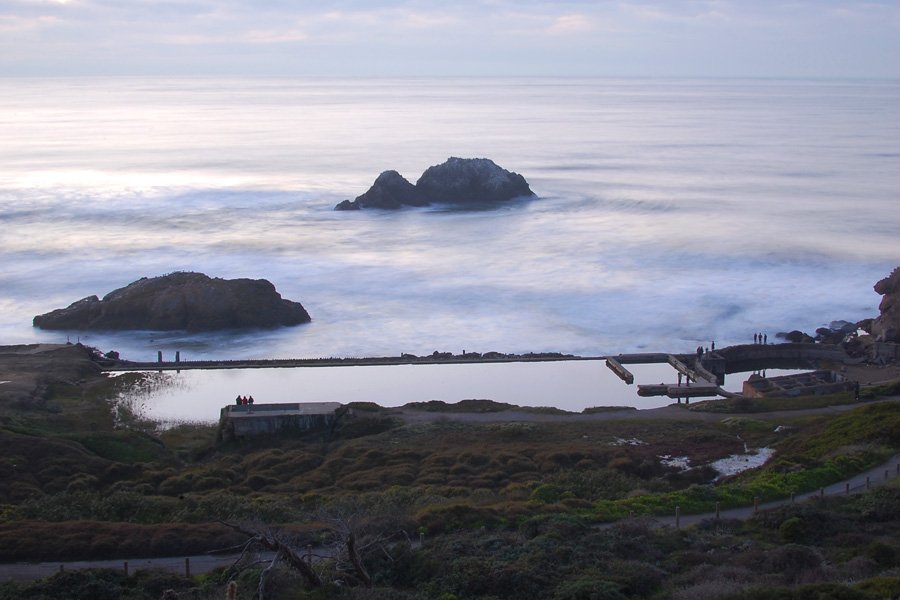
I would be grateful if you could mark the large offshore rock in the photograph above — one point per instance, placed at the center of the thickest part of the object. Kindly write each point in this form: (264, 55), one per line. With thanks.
(887, 326)
(471, 181)
(456, 181)
(180, 301)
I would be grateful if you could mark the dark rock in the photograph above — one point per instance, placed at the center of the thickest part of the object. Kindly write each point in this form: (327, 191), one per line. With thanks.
(347, 205)
(180, 301)
(886, 327)
(823, 333)
(471, 180)
(456, 181)
(390, 191)
(843, 327)
(796, 337)
(836, 332)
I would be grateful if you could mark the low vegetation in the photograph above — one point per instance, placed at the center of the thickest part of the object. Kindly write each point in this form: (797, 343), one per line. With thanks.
(507, 509)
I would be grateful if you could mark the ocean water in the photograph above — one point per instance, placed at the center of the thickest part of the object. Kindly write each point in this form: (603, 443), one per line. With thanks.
(671, 213)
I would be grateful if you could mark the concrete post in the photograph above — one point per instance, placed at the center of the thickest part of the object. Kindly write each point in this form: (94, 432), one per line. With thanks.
(756, 504)
(421, 538)
(178, 356)
(126, 569)
(159, 356)
(677, 517)
(309, 554)
(848, 488)
(792, 496)
(867, 482)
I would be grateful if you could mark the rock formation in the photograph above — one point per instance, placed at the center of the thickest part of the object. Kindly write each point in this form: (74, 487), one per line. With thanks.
(390, 190)
(886, 327)
(456, 181)
(180, 301)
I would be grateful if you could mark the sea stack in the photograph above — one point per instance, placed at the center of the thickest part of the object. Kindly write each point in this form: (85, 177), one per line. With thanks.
(459, 181)
(180, 301)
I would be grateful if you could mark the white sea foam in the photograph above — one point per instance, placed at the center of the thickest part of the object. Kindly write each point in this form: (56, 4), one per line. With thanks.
(672, 213)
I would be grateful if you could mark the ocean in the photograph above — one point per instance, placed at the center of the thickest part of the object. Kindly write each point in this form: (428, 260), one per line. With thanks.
(670, 213)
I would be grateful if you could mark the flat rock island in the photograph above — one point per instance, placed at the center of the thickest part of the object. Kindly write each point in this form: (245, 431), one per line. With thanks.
(459, 181)
(180, 301)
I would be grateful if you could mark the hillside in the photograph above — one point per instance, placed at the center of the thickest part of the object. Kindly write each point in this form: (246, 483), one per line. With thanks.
(507, 507)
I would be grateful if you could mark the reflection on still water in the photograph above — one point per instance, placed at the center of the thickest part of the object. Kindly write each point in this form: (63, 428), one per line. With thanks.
(571, 385)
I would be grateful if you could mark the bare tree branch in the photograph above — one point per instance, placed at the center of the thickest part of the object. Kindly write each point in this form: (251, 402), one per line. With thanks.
(289, 555)
(261, 588)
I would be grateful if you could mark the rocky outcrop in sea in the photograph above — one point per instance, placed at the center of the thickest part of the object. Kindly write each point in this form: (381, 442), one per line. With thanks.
(461, 181)
(180, 301)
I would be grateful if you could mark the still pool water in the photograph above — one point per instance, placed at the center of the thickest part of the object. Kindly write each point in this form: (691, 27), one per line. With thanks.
(198, 395)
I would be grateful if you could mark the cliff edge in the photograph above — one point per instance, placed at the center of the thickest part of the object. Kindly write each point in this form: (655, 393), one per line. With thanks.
(886, 327)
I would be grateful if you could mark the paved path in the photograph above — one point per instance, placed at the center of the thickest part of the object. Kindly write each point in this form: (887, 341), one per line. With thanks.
(858, 483)
(20, 572)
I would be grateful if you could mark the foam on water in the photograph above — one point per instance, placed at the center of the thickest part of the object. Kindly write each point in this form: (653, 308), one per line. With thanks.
(671, 213)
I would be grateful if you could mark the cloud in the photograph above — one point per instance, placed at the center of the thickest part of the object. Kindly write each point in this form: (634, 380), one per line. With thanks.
(639, 37)
(566, 24)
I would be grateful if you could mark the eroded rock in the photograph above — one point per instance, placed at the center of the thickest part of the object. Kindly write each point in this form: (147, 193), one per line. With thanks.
(464, 181)
(886, 327)
(180, 301)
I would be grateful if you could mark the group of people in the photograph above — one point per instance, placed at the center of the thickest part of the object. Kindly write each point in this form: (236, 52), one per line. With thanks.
(243, 400)
(760, 338)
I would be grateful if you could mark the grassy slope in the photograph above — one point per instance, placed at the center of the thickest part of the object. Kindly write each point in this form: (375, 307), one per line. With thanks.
(65, 462)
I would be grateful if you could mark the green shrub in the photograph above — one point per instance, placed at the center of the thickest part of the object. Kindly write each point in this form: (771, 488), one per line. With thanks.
(547, 494)
(881, 587)
(793, 530)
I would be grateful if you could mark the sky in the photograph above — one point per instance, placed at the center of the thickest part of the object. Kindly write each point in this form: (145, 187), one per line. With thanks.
(615, 38)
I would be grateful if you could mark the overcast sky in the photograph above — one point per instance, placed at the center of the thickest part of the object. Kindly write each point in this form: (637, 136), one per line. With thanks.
(706, 38)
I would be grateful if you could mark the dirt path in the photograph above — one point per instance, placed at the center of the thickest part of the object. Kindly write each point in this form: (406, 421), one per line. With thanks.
(878, 475)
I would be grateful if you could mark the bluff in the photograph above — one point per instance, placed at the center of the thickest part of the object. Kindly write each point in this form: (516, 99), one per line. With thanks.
(465, 181)
(887, 326)
(180, 301)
